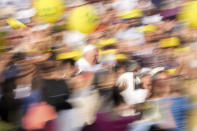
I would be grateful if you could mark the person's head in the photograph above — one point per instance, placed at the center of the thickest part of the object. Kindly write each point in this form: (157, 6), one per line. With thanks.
(132, 66)
(69, 69)
(146, 82)
(161, 84)
(90, 53)
(17, 57)
(161, 88)
(119, 68)
(162, 75)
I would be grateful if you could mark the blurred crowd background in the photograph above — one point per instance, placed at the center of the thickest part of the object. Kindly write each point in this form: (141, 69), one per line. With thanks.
(98, 65)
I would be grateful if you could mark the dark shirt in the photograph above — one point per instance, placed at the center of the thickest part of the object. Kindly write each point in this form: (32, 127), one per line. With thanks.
(55, 93)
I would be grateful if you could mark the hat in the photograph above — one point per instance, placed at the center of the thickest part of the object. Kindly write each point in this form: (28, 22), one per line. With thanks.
(169, 42)
(147, 29)
(129, 14)
(15, 23)
(69, 55)
(156, 70)
(107, 52)
(106, 42)
(120, 57)
(144, 71)
(88, 48)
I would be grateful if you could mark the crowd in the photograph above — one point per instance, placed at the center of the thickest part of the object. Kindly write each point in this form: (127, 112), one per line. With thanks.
(135, 72)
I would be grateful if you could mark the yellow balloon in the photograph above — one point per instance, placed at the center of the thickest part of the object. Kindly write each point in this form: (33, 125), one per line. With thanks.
(49, 10)
(83, 19)
(188, 14)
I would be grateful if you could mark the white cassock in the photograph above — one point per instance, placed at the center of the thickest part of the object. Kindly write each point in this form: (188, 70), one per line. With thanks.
(84, 66)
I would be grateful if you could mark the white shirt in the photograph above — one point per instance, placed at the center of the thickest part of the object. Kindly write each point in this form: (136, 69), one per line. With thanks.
(83, 65)
(130, 94)
(128, 79)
